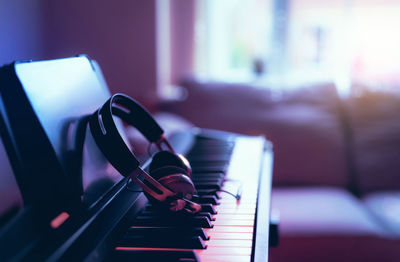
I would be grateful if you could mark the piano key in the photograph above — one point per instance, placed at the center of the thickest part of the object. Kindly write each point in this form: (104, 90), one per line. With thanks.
(163, 241)
(209, 175)
(206, 140)
(203, 222)
(203, 153)
(232, 235)
(235, 212)
(231, 201)
(208, 208)
(179, 215)
(207, 185)
(208, 180)
(224, 216)
(153, 254)
(211, 250)
(234, 222)
(204, 199)
(210, 169)
(219, 148)
(166, 231)
(216, 162)
(205, 209)
(213, 157)
(244, 206)
(174, 217)
(206, 214)
(243, 201)
(201, 142)
(228, 229)
(202, 192)
(233, 243)
(224, 258)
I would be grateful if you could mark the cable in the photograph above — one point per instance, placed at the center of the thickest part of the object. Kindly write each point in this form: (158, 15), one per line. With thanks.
(237, 196)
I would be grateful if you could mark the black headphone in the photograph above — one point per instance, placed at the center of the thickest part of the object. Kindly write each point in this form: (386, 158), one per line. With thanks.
(169, 179)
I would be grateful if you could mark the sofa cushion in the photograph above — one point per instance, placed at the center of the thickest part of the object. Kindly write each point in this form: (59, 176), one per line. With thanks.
(308, 146)
(302, 123)
(344, 248)
(328, 224)
(322, 211)
(375, 122)
(386, 208)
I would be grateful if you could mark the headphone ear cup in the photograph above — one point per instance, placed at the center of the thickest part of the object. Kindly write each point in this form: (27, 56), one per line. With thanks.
(168, 159)
(171, 172)
(175, 179)
(161, 172)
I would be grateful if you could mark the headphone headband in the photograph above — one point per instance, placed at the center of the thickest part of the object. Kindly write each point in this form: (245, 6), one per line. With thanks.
(114, 148)
(134, 114)
(107, 136)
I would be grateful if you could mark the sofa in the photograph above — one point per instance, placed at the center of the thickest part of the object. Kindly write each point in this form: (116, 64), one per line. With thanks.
(336, 184)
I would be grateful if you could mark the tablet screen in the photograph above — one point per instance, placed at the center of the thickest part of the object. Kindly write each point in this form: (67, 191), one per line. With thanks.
(62, 91)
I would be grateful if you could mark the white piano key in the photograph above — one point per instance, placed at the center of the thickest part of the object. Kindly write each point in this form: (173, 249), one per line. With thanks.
(224, 258)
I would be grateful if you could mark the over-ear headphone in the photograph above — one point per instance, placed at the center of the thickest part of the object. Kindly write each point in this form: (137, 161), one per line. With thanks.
(169, 179)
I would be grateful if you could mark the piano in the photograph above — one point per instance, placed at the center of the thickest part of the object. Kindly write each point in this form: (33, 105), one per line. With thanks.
(75, 206)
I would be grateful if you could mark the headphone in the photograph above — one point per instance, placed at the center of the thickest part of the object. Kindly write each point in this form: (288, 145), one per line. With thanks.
(168, 181)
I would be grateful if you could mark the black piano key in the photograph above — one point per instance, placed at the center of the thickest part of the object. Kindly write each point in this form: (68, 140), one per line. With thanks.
(212, 142)
(202, 192)
(154, 255)
(198, 221)
(208, 208)
(206, 214)
(209, 186)
(208, 175)
(163, 241)
(201, 146)
(219, 164)
(209, 164)
(210, 169)
(208, 199)
(216, 149)
(167, 231)
(209, 180)
(201, 158)
(198, 215)
(203, 183)
(210, 150)
(152, 212)
(204, 151)
(210, 157)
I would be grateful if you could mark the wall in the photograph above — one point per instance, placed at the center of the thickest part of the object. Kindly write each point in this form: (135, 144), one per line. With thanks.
(20, 39)
(21, 30)
(121, 37)
(182, 39)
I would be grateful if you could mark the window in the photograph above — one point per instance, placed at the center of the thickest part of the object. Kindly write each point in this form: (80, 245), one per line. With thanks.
(345, 41)
(231, 36)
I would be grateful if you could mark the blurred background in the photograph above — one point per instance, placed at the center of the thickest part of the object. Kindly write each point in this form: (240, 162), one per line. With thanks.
(149, 45)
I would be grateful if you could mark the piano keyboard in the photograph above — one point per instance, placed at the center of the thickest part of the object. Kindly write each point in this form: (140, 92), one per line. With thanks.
(226, 229)
(113, 221)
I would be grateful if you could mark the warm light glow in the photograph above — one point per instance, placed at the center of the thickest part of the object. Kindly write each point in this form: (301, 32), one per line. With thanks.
(59, 220)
